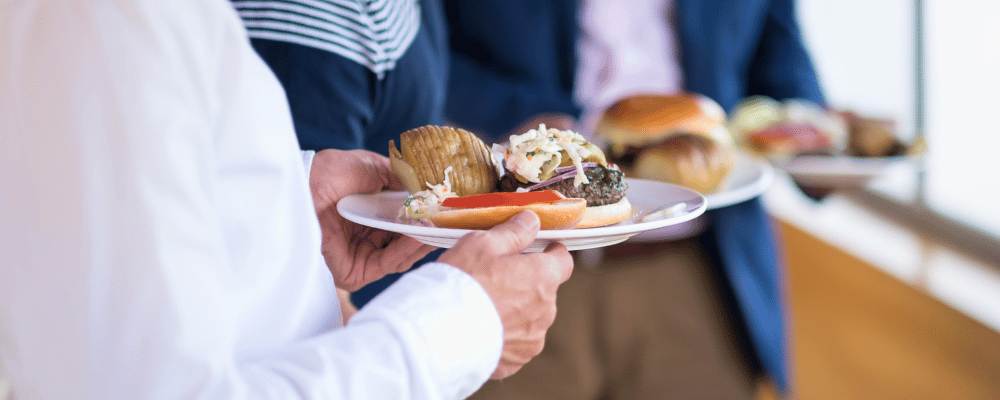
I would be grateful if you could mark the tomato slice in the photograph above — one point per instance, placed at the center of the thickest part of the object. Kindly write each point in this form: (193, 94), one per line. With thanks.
(503, 199)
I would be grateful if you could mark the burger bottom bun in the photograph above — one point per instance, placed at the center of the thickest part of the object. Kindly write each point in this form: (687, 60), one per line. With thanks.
(563, 214)
(691, 161)
(608, 214)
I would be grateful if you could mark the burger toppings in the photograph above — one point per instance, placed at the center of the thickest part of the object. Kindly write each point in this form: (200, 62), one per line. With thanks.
(426, 201)
(537, 155)
(605, 186)
(453, 179)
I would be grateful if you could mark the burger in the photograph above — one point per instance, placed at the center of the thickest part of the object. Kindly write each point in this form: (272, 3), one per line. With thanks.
(781, 130)
(679, 139)
(565, 162)
(455, 183)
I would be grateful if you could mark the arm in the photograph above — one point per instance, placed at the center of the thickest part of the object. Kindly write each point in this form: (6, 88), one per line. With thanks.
(120, 279)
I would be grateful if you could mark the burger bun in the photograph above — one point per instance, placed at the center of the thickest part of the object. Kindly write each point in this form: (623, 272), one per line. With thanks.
(609, 214)
(692, 161)
(563, 214)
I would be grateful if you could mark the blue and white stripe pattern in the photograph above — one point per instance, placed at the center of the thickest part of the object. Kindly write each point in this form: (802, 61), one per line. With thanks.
(373, 33)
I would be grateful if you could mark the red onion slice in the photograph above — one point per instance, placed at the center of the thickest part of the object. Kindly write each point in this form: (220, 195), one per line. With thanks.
(550, 181)
(573, 167)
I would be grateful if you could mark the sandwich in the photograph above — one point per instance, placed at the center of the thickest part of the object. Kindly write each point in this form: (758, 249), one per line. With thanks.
(679, 139)
(564, 161)
(556, 174)
(453, 180)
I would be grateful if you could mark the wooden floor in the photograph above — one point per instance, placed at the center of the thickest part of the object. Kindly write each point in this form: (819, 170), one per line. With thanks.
(858, 333)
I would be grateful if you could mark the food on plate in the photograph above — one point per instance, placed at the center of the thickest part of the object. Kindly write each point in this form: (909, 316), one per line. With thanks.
(798, 127)
(482, 211)
(563, 161)
(786, 129)
(692, 161)
(428, 150)
(872, 137)
(679, 139)
(463, 159)
(439, 206)
(789, 138)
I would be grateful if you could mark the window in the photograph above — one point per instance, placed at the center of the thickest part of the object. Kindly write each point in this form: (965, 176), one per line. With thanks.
(866, 55)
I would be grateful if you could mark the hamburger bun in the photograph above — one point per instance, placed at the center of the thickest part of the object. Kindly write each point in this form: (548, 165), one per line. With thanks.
(643, 120)
(609, 214)
(563, 214)
(693, 161)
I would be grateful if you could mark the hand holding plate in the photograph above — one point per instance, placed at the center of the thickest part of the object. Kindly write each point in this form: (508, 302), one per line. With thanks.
(357, 254)
(522, 286)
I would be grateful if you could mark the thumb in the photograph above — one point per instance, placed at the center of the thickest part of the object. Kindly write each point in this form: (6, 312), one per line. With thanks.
(514, 235)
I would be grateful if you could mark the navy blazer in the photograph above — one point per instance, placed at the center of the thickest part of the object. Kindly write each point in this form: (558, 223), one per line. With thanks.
(514, 59)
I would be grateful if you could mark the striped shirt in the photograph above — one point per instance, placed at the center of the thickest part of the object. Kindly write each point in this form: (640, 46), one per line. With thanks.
(373, 33)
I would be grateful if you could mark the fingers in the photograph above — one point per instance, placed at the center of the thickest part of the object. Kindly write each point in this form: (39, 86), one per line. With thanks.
(505, 369)
(563, 260)
(402, 253)
(378, 172)
(338, 173)
(515, 355)
(516, 234)
(383, 172)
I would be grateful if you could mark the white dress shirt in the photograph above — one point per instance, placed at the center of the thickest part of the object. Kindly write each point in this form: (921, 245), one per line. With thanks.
(624, 51)
(157, 236)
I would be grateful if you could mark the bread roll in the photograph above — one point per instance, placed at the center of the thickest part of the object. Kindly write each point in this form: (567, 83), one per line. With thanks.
(639, 121)
(608, 214)
(688, 160)
(563, 214)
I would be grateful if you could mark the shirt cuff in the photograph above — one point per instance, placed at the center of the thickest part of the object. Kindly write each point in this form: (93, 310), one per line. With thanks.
(456, 327)
(307, 160)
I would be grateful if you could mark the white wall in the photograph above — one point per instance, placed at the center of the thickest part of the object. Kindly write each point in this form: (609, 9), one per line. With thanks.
(963, 110)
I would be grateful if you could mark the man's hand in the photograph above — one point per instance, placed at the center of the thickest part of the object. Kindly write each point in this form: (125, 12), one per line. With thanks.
(356, 254)
(522, 286)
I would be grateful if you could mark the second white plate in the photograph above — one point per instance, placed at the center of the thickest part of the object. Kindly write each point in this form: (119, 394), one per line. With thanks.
(749, 178)
(840, 171)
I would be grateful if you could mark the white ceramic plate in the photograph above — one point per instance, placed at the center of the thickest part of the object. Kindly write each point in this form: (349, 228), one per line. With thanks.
(750, 178)
(839, 171)
(379, 211)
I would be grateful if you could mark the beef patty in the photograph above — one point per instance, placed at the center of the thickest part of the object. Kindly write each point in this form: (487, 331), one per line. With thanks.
(606, 186)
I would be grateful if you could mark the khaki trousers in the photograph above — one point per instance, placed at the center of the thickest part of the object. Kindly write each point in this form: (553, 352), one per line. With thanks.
(651, 322)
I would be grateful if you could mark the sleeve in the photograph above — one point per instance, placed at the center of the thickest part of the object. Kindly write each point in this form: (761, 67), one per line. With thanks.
(420, 339)
(118, 281)
(331, 98)
(307, 160)
(781, 67)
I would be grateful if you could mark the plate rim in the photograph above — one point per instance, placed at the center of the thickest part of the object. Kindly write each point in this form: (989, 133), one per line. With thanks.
(752, 190)
(451, 233)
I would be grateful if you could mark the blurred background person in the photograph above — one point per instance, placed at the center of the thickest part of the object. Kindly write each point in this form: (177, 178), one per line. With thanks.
(356, 74)
(555, 61)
